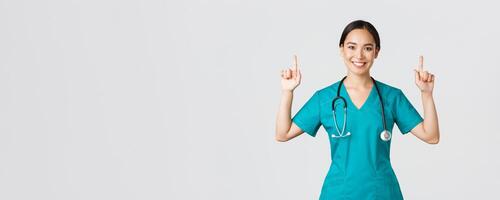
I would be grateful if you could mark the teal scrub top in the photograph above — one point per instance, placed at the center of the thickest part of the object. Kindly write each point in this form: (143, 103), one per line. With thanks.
(360, 167)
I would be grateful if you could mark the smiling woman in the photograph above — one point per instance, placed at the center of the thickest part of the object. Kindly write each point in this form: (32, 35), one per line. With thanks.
(359, 46)
(361, 167)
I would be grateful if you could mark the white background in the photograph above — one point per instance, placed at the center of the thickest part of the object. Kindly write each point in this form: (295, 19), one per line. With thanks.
(108, 99)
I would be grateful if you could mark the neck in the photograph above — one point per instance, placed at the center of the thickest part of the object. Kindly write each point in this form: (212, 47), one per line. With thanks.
(354, 80)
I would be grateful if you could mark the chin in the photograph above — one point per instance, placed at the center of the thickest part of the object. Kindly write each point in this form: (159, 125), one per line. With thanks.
(358, 71)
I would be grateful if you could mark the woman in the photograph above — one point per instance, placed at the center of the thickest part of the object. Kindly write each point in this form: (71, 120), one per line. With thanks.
(360, 145)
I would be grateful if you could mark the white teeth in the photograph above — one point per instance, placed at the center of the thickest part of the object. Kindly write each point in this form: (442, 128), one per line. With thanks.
(358, 64)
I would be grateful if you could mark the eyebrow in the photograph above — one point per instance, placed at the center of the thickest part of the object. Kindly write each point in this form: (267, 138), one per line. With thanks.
(369, 44)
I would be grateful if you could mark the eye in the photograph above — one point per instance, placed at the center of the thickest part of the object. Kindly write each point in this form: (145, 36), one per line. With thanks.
(351, 47)
(368, 48)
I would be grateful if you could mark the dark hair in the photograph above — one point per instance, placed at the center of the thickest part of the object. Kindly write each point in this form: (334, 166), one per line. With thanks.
(360, 24)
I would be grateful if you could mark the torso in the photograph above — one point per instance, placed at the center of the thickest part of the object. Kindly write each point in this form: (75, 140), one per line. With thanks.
(360, 166)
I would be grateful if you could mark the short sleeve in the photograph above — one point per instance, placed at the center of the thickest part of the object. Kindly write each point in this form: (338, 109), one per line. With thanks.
(308, 117)
(405, 115)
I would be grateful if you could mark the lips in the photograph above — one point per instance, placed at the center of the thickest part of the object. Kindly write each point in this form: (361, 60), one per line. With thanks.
(358, 64)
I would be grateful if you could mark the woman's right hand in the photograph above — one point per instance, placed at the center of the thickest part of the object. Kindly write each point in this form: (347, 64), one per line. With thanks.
(290, 78)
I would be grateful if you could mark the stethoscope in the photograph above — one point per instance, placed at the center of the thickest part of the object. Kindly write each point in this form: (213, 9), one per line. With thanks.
(384, 136)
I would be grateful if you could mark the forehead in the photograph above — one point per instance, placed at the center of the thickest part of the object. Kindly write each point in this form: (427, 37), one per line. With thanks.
(360, 36)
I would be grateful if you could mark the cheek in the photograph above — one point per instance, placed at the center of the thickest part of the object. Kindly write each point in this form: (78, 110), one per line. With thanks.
(348, 55)
(347, 58)
(370, 55)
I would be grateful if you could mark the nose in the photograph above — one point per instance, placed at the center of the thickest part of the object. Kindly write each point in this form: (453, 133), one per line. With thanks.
(359, 54)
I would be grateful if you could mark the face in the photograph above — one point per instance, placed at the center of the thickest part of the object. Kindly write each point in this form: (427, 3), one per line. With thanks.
(359, 51)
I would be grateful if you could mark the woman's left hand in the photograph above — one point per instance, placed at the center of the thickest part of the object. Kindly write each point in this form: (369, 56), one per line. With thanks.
(423, 79)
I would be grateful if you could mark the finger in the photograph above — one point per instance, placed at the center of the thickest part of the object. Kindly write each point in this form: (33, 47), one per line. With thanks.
(417, 75)
(432, 78)
(421, 63)
(426, 75)
(295, 63)
(288, 73)
(299, 75)
(429, 79)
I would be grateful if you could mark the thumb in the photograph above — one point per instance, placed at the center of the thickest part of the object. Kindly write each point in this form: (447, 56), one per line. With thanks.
(417, 75)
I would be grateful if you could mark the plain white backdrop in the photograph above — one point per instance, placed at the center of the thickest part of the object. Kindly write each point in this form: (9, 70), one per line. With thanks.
(108, 99)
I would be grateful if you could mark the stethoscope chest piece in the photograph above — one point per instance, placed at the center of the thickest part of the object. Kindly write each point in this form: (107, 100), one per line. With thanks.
(385, 135)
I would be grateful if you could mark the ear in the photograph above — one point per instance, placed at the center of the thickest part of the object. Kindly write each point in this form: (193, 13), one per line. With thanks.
(376, 52)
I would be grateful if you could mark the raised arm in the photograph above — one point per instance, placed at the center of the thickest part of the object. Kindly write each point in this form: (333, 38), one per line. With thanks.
(428, 130)
(285, 128)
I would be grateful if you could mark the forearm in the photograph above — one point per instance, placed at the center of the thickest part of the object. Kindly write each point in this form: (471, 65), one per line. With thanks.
(430, 124)
(283, 119)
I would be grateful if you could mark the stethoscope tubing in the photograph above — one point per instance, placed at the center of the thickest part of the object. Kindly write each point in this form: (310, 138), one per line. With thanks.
(338, 97)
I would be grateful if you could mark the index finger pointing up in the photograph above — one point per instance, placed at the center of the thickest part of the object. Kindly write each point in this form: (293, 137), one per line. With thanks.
(421, 63)
(295, 63)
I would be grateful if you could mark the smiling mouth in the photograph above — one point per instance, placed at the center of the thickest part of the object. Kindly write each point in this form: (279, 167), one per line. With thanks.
(359, 64)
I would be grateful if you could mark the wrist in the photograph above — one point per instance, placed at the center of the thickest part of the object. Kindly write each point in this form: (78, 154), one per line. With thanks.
(426, 93)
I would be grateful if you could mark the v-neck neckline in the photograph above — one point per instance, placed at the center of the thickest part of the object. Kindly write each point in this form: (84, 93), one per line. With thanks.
(366, 100)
